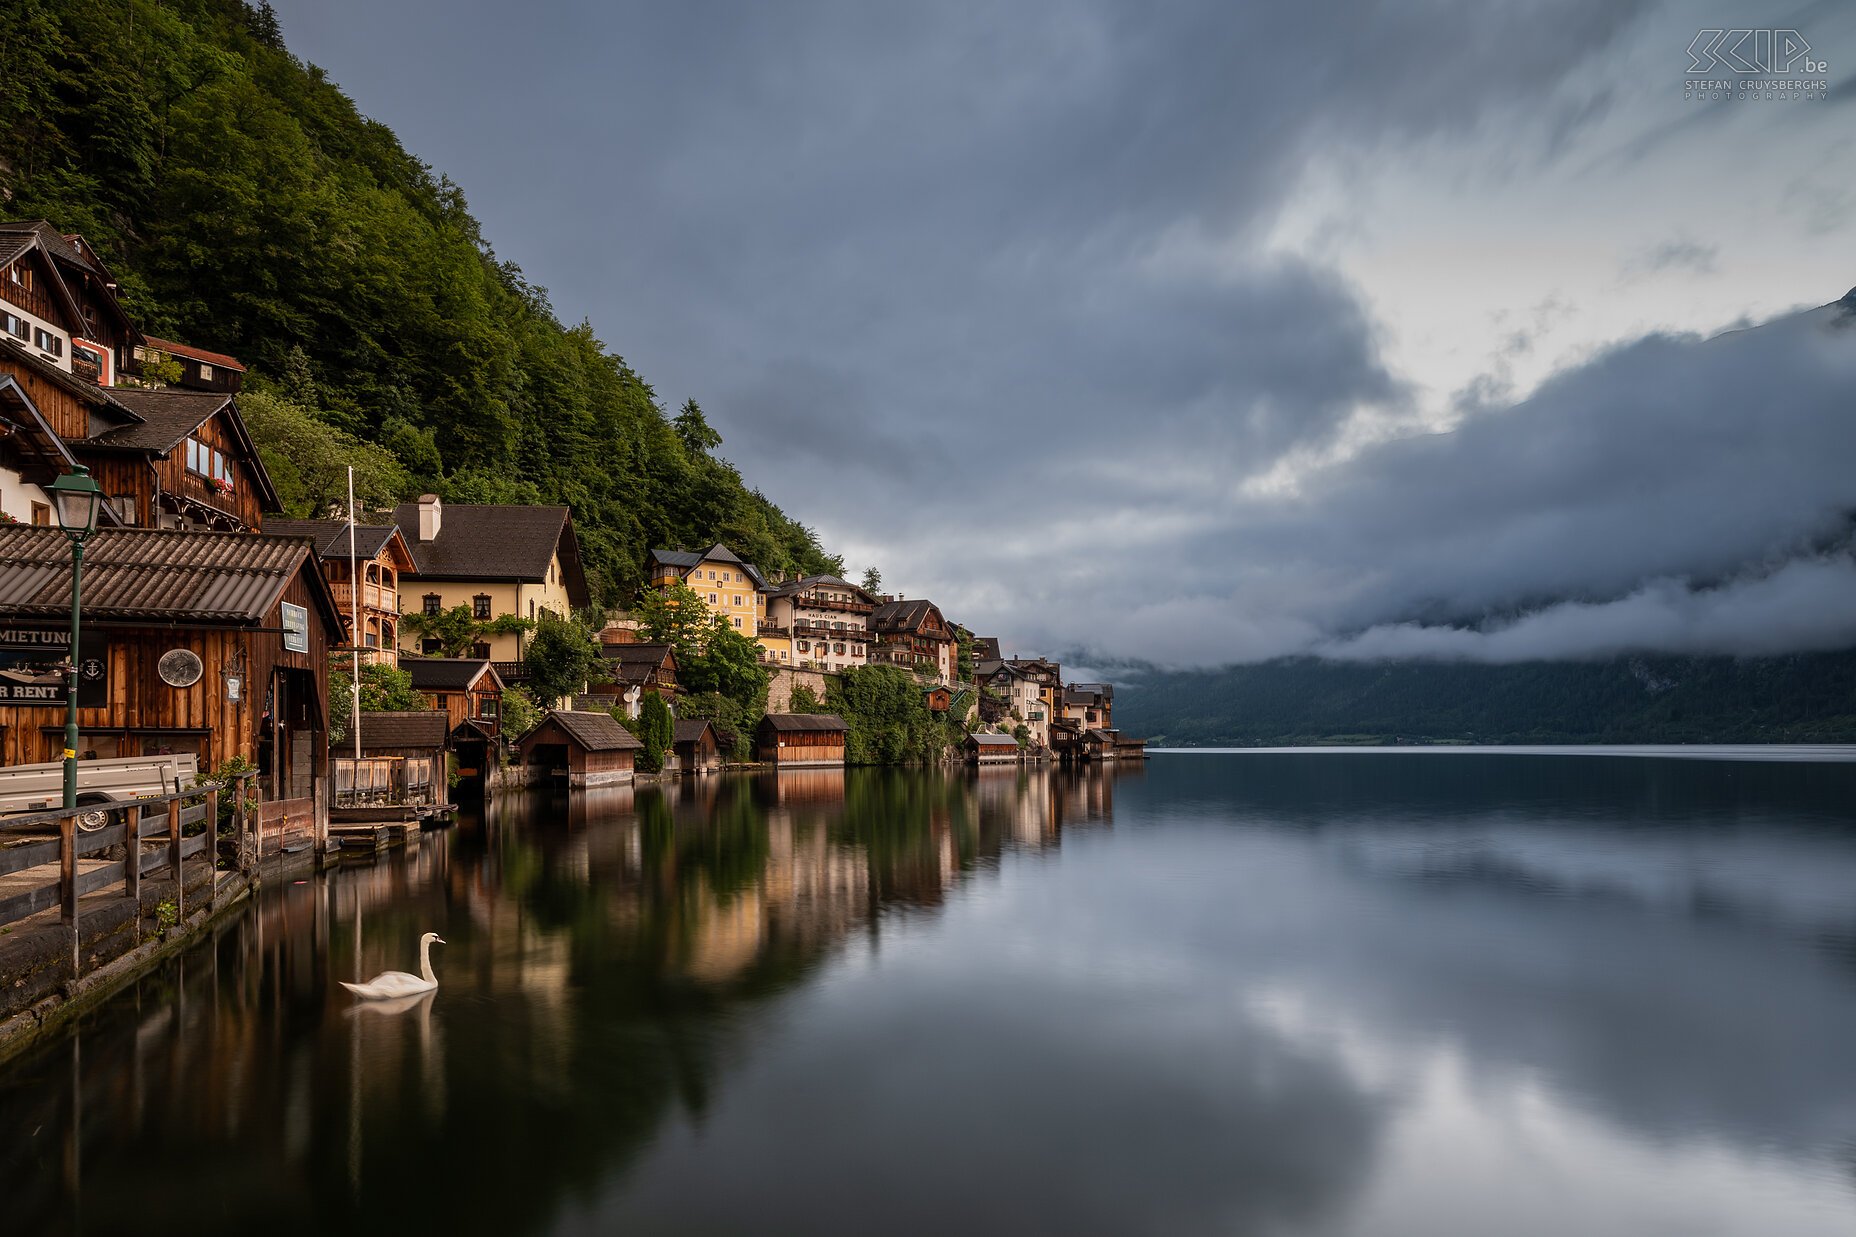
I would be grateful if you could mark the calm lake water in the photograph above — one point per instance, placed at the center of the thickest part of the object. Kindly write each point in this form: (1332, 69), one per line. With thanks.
(1337, 993)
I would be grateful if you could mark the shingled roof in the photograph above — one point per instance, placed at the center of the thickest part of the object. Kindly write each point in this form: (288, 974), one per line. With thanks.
(689, 730)
(717, 553)
(596, 732)
(496, 542)
(194, 354)
(903, 615)
(446, 674)
(803, 721)
(146, 573)
(417, 728)
(167, 417)
(331, 536)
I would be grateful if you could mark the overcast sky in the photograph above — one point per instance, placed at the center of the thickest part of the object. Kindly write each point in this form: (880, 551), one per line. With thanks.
(1202, 332)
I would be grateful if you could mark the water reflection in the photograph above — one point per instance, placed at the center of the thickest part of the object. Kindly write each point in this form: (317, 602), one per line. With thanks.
(1288, 994)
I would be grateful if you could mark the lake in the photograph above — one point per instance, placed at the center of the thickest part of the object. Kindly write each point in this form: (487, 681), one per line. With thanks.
(1350, 993)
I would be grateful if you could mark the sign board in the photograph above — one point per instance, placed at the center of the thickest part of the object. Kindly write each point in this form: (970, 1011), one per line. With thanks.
(296, 628)
(32, 662)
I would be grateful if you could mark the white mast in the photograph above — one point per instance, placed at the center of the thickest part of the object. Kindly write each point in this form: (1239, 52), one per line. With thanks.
(354, 655)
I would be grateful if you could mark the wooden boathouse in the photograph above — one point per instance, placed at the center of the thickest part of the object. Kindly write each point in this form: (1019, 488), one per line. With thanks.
(992, 749)
(698, 750)
(798, 740)
(216, 644)
(579, 750)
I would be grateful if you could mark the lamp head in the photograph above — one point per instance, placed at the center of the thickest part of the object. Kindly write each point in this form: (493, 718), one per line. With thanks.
(78, 500)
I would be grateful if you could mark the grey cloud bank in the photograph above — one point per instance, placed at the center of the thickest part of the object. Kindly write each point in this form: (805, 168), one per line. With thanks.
(985, 294)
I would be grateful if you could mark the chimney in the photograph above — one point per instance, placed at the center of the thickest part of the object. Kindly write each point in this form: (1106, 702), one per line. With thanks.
(431, 515)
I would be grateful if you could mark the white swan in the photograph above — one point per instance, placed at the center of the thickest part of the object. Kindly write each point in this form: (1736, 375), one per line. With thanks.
(391, 984)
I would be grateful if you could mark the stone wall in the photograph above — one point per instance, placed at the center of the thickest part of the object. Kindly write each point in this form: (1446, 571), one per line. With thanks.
(785, 678)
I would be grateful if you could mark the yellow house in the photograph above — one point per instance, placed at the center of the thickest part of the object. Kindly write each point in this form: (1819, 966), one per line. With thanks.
(501, 561)
(728, 586)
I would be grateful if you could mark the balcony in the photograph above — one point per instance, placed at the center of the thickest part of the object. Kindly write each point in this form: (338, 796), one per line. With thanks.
(811, 602)
(373, 597)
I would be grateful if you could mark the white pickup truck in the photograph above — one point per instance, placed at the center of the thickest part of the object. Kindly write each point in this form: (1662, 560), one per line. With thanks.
(120, 779)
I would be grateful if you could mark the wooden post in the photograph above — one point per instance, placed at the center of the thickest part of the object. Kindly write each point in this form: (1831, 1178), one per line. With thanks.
(212, 848)
(180, 881)
(132, 862)
(67, 881)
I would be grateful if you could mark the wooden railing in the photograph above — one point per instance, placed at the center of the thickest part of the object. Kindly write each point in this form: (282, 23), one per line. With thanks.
(373, 596)
(159, 817)
(376, 780)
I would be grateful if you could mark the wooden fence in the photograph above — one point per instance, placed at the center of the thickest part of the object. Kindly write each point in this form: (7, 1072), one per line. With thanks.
(161, 817)
(372, 780)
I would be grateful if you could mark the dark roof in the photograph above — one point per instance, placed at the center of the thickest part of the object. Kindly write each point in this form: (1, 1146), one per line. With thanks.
(495, 542)
(718, 552)
(902, 615)
(82, 388)
(167, 417)
(993, 740)
(146, 573)
(54, 242)
(690, 730)
(331, 536)
(596, 732)
(192, 353)
(803, 721)
(1088, 693)
(986, 648)
(806, 583)
(649, 655)
(445, 674)
(418, 728)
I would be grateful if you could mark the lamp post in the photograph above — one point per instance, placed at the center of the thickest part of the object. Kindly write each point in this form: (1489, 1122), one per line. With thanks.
(77, 498)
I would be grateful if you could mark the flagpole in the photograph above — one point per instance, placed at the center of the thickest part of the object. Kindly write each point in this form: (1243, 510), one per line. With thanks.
(354, 600)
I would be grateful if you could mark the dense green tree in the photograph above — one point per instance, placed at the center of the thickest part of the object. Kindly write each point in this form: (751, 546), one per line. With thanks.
(561, 656)
(888, 717)
(873, 580)
(456, 629)
(656, 728)
(520, 712)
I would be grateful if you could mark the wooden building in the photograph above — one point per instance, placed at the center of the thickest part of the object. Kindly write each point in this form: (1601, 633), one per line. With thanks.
(913, 635)
(403, 760)
(464, 689)
(381, 557)
(652, 668)
(200, 370)
(579, 750)
(796, 740)
(697, 749)
(211, 643)
(988, 749)
(59, 300)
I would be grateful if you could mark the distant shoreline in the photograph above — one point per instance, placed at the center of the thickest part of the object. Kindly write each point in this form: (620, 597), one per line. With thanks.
(1804, 752)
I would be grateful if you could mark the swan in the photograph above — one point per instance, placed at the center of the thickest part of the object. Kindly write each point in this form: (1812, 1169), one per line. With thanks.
(388, 985)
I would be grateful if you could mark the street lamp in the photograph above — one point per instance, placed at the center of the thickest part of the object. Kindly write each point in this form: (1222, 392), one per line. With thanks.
(77, 498)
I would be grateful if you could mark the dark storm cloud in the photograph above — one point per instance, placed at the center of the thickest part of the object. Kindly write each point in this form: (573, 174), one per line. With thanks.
(979, 291)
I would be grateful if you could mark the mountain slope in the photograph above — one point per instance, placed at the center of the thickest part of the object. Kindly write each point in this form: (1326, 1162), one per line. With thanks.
(247, 206)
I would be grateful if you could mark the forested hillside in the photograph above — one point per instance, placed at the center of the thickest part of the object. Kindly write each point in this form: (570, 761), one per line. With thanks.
(246, 206)
(1795, 699)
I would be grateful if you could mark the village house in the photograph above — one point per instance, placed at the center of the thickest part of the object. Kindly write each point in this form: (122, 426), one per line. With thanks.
(213, 644)
(826, 619)
(797, 740)
(651, 668)
(501, 561)
(1021, 698)
(60, 303)
(913, 635)
(579, 750)
(381, 557)
(731, 588)
(464, 689)
(200, 370)
(1088, 705)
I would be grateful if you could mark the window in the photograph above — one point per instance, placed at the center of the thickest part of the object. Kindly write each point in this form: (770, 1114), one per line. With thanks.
(486, 707)
(47, 342)
(433, 605)
(480, 606)
(42, 518)
(805, 646)
(838, 649)
(16, 326)
(737, 621)
(737, 598)
(429, 647)
(712, 599)
(531, 608)
(480, 649)
(193, 456)
(206, 372)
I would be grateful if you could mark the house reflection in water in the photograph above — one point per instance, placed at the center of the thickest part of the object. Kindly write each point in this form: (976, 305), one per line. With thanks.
(606, 951)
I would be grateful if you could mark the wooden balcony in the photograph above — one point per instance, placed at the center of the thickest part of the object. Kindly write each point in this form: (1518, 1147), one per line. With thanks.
(812, 602)
(32, 300)
(376, 597)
